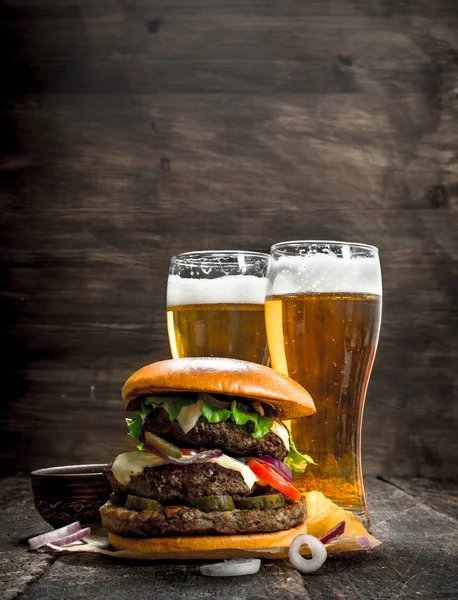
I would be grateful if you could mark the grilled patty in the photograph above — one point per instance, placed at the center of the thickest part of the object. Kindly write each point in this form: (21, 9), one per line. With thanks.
(231, 438)
(172, 483)
(182, 520)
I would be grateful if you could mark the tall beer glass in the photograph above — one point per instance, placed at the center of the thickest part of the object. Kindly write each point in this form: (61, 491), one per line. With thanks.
(323, 312)
(215, 305)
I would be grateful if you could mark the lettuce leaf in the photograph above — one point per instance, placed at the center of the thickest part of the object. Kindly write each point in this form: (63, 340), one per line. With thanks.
(214, 414)
(296, 461)
(262, 425)
(153, 401)
(135, 426)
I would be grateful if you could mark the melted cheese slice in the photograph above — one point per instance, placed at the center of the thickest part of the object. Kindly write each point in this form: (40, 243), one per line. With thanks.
(130, 464)
(280, 429)
(188, 416)
(235, 465)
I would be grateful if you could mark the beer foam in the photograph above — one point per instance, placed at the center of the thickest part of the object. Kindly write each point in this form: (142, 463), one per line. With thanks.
(231, 289)
(325, 273)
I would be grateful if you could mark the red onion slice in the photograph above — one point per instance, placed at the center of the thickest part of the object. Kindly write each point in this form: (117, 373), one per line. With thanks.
(278, 465)
(51, 536)
(354, 542)
(363, 542)
(333, 533)
(232, 568)
(307, 565)
(185, 460)
(69, 539)
(208, 399)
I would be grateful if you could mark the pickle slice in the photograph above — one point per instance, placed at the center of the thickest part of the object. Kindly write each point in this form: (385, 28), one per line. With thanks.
(163, 446)
(141, 503)
(261, 502)
(209, 503)
(118, 499)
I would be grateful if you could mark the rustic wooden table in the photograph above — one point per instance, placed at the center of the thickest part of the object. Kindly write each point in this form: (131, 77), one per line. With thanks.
(415, 518)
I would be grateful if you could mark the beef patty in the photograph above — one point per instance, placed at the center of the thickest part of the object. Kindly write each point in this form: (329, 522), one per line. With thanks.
(172, 483)
(229, 437)
(182, 520)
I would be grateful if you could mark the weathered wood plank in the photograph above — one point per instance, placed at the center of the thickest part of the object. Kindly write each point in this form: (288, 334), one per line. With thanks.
(18, 522)
(440, 494)
(213, 37)
(294, 149)
(209, 49)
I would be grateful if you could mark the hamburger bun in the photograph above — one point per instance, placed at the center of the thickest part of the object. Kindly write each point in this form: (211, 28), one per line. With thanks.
(258, 545)
(226, 376)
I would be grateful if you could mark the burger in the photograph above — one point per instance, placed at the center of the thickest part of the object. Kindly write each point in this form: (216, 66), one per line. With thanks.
(212, 473)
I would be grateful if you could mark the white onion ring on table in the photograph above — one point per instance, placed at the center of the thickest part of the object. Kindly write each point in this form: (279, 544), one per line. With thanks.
(317, 548)
(232, 568)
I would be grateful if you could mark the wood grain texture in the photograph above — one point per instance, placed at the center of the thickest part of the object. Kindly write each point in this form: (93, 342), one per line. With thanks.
(134, 130)
(439, 494)
(19, 521)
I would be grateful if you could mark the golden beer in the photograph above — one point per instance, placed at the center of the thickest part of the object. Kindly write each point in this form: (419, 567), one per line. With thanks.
(226, 330)
(215, 304)
(326, 341)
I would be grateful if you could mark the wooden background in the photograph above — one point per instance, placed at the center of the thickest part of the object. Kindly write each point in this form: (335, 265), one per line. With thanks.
(135, 129)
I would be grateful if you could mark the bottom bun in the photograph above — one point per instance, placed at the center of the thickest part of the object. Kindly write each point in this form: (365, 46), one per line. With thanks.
(258, 545)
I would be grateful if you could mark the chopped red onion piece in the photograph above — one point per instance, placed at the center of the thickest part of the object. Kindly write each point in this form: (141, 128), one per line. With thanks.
(51, 536)
(278, 465)
(333, 533)
(69, 539)
(185, 460)
(356, 542)
(363, 541)
(317, 549)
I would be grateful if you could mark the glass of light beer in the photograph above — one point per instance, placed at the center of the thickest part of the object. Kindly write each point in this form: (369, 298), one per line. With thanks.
(323, 312)
(215, 304)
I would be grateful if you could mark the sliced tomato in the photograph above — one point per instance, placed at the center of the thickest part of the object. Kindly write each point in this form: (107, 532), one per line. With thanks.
(274, 479)
(189, 451)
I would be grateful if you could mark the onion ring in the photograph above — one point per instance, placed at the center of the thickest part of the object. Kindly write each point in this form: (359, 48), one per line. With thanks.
(68, 539)
(363, 541)
(51, 536)
(317, 549)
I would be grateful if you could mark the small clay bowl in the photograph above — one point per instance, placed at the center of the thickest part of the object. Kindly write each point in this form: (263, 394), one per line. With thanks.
(72, 493)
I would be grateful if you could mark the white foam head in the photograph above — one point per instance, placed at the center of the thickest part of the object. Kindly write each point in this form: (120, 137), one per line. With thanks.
(232, 289)
(325, 273)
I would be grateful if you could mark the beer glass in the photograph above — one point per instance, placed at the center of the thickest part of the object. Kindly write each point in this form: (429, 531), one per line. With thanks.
(323, 312)
(215, 305)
